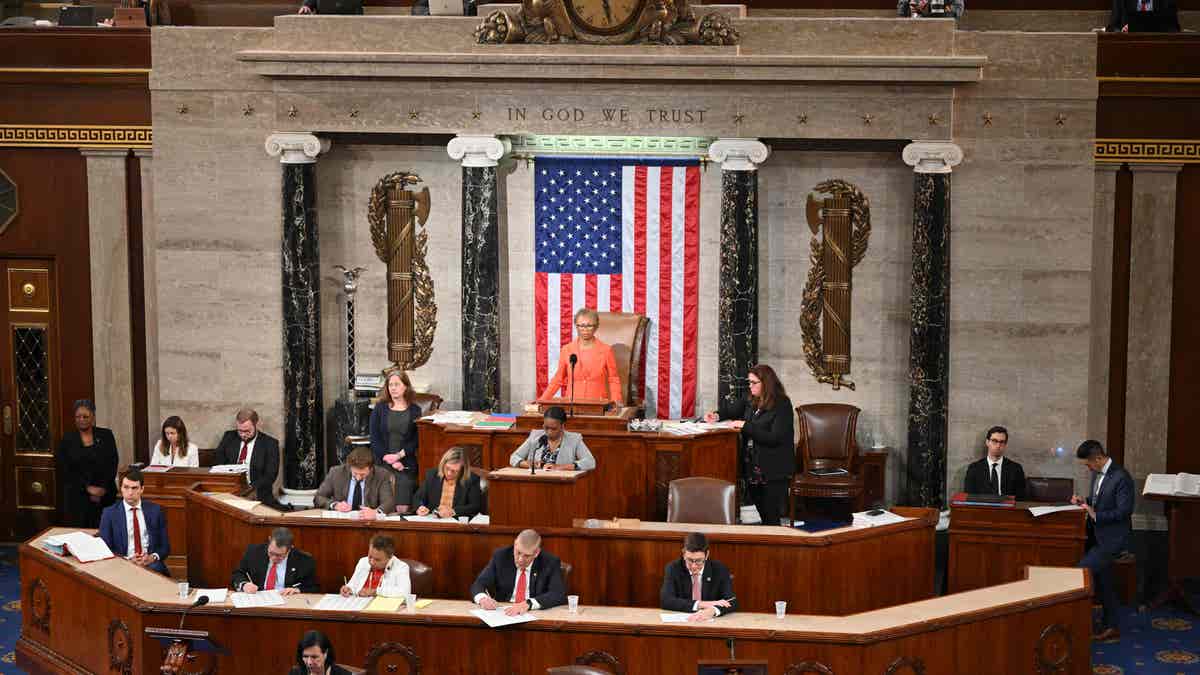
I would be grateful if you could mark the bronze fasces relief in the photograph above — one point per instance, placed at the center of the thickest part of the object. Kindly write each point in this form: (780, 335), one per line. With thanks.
(395, 213)
(841, 227)
(611, 22)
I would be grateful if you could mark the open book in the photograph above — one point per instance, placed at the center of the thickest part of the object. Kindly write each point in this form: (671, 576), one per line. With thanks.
(1187, 484)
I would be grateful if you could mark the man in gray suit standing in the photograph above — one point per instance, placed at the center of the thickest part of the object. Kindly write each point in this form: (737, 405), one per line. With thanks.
(357, 486)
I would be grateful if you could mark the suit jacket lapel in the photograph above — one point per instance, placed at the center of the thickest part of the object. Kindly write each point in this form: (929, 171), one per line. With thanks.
(122, 530)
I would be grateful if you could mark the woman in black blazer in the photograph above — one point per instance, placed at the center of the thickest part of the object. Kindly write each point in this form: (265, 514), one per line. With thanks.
(315, 656)
(393, 429)
(453, 469)
(768, 442)
(87, 468)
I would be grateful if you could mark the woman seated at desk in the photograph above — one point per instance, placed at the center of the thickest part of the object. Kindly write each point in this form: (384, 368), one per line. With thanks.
(596, 374)
(450, 490)
(173, 448)
(554, 447)
(380, 572)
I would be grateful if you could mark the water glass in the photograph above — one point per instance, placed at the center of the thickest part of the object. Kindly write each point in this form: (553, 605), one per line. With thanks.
(573, 604)
(780, 608)
(184, 589)
(410, 603)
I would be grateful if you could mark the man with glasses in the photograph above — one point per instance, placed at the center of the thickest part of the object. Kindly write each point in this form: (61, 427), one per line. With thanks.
(276, 566)
(696, 584)
(995, 474)
(522, 574)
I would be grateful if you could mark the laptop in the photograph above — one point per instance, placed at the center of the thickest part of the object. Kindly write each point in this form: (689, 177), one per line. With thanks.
(77, 15)
(339, 7)
(445, 7)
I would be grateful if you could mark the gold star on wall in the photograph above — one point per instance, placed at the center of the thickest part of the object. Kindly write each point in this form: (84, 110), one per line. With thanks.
(292, 111)
(737, 119)
(247, 110)
(413, 114)
(987, 119)
(802, 119)
(1060, 119)
(354, 113)
(867, 119)
(182, 110)
(934, 120)
(475, 114)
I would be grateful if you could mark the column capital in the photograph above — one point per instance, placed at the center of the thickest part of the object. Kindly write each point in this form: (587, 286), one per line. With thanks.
(478, 150)
(296, 148)
(932, 156)
(739, 154)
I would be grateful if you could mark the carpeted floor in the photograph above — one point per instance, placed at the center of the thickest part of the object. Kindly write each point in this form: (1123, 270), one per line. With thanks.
(1162, 642)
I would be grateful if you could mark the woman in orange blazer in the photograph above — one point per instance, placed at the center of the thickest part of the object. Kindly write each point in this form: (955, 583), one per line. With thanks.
(595, 371)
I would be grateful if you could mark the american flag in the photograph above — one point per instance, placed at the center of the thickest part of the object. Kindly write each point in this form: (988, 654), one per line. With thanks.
(621, 235)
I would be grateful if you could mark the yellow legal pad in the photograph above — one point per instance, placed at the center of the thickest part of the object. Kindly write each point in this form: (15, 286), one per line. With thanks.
(382, 604)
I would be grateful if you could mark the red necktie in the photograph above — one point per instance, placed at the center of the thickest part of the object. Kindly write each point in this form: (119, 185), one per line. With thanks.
(242, 456)
(137, 532)
(520, 595)
(696, 588)
(374, 578)
(270, 583)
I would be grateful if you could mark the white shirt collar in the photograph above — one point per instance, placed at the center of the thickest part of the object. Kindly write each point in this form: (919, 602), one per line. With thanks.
(998, 461)
(1104, 469)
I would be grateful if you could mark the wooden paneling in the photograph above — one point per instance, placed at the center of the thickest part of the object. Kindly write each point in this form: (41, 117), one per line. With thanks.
(75, 47)
(1118, 341)
(994, 637)
(142, 444)
(1148, 54)
(1183, 406)
(992, 545)
(166, 489)
(841, 573)
(542, 499)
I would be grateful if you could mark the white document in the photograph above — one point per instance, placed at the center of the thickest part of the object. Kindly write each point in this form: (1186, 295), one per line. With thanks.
(481, 519)
(229, 468)
(87, 548)
(430, 518)
(215, 595)
(1167, 484)
(1039, 511)
(459, 417)
(243, 504)
(861, 519)
(259, 599)
(675, 617)
(333, 601)
(340, 515)
(495, 618)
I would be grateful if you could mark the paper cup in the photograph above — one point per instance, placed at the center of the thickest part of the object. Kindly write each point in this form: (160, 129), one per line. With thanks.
(573, 604)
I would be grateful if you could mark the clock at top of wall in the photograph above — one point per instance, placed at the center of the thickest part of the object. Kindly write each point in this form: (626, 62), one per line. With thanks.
(607, 22)
(8, 200)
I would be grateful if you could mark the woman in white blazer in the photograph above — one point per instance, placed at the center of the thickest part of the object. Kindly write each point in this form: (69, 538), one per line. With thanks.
(380, 572)
(173, 448)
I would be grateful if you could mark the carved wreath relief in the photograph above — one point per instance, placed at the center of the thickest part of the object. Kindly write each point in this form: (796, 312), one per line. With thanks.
(667, 22)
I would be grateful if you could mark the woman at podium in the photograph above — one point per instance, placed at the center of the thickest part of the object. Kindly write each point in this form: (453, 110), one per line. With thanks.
(596, 374)
(554, 447)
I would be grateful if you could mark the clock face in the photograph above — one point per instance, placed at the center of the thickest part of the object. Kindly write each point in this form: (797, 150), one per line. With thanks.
(604, 17)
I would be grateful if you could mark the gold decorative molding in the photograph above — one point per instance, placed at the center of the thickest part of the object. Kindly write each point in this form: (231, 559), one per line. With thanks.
(73, 136)
(1147, 151)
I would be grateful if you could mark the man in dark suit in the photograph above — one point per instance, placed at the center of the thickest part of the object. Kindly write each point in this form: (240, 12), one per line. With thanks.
(522, 574)
(696, 584)
(1143, 16)
(135, 528)
(355, 485)
(259, 451)
(1110, 522)
(995, 474)
(276, 565)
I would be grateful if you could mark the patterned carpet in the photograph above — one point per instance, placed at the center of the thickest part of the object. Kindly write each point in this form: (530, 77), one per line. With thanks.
(1162, 642)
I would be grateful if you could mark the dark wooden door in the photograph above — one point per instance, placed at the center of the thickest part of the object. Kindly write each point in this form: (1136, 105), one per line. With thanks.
(29, 414)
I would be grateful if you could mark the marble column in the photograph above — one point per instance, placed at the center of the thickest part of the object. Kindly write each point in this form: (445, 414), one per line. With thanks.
(480, 155)
(150, 292)
(300, 276)
(737, 311)
(112, 332)
(929, 350)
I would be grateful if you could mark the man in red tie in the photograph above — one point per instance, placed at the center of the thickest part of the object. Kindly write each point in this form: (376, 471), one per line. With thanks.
(276, 566)
(247, 445)
(697, 584)
(135, 528)
(522, 574)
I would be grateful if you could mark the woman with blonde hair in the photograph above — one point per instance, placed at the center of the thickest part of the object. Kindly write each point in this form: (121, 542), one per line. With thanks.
(596, 375)
(173, 448)
(450, 490)
(393, 430)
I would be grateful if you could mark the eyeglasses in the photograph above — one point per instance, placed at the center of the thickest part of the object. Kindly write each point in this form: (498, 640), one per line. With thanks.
(694, 562)
(997, 441)
(754, 382)
(585, 326)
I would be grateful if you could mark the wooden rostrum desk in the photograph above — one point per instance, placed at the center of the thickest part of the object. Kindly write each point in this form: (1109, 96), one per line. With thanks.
(166, 489)
(94, 618)
(633, 468)
(991, 545)
(836, 572)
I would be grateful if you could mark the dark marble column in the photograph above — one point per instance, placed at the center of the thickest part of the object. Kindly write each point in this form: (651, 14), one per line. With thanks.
(480, 156)
(929, 353)
(737, 332)
(300, 264)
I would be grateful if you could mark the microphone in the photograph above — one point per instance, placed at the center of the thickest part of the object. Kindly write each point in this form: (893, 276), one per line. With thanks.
(574, 359)
(542, 444)
(200, 602)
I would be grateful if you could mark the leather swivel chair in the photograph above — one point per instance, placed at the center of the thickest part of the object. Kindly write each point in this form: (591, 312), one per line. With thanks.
(625, 332)
(701, 500)
(1039, 489)
(827, 441)
(421, 577)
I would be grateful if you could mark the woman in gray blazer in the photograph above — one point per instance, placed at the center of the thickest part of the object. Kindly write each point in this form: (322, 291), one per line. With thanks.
(554, 447)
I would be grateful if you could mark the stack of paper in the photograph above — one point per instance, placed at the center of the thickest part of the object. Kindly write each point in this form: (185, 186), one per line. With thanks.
(383, 604)
(340, 515)
(1187, 484)
(481, 519)
(215, 595)
(155, 468)
(495, 618)
(229, 468)
(259, 599)
(338, 603)
(82, 545)
(459, 417)
(500, 422)
(863, 519)
(1043, 510)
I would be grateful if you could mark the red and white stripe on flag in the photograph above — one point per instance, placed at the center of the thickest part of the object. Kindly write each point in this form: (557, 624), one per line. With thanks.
(659, 278)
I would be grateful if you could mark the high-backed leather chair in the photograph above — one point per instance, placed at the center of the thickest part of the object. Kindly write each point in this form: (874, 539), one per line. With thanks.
(827, 441)
(1038, 489)
(626, 334)
(420, 576)
(701, 500)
